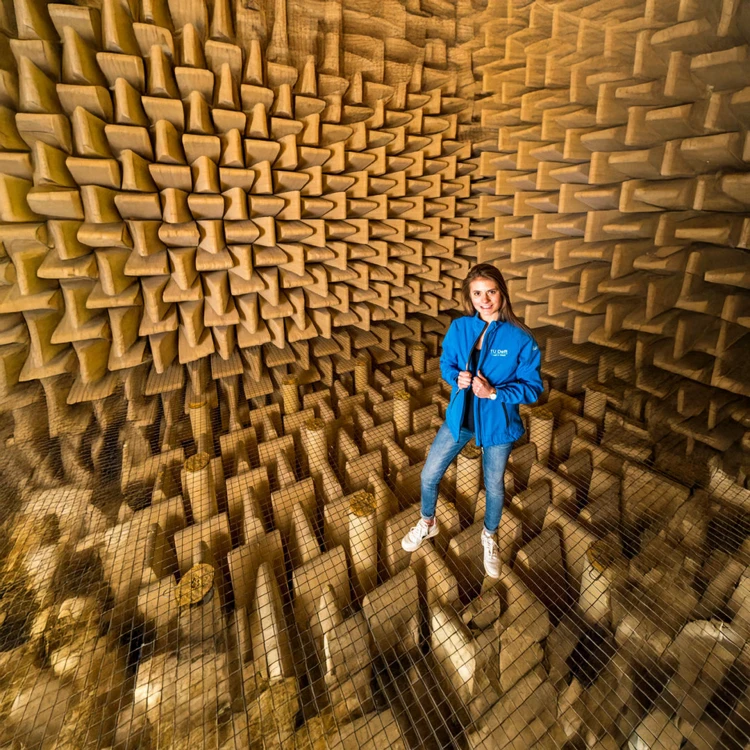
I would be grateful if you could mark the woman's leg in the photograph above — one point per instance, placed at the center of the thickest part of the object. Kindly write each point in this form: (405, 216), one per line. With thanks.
(442, 451)
(494, 459)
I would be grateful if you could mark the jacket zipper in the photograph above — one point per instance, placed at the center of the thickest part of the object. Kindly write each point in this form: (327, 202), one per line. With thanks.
(477, 422)
(468, 362)
(477, 439)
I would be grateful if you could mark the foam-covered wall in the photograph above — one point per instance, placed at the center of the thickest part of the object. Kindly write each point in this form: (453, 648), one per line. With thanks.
(244, 185)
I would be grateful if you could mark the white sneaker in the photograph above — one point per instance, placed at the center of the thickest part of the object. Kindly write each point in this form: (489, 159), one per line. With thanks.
(422, 531)
(491, 556)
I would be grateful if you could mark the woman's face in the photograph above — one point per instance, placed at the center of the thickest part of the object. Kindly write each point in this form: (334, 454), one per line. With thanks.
(486, 298)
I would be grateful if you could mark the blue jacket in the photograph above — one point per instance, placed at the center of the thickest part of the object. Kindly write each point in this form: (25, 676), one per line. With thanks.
(510, 361)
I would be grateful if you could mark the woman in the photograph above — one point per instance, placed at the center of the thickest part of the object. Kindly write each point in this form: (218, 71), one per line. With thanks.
(492, 361)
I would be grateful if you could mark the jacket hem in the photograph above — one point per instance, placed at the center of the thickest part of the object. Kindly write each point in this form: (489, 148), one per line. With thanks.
(493, 441)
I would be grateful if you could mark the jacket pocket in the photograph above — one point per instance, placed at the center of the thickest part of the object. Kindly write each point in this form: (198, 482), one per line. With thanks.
(453, 398)
(512, 417)
(507, 416)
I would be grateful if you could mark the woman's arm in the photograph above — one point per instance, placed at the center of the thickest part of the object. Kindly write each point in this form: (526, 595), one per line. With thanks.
(449, 366)
(527, 386)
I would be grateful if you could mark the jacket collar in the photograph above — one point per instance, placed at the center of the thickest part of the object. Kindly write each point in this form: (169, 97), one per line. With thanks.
(477, 323)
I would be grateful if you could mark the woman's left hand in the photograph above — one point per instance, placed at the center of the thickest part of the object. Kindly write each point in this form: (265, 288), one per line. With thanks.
(480, 386)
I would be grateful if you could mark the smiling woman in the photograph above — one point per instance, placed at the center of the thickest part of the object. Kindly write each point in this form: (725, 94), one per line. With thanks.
(486, 297)
(492, 361)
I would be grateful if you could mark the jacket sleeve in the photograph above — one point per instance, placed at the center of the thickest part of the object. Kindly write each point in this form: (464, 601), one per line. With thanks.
(528, 386)
(449, 366)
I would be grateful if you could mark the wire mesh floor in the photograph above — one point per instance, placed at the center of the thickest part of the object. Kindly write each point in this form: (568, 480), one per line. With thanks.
(237, 580)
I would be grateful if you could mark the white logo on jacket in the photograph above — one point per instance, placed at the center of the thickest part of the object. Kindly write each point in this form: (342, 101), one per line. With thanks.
(499, 352)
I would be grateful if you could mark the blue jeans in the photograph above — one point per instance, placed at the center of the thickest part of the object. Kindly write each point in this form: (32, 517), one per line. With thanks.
(442, 452)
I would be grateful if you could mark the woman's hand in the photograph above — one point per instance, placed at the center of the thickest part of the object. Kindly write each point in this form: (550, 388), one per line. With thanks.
(480, 386)
(464, 379)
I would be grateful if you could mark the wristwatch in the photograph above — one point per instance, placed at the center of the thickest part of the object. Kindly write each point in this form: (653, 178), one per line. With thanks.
(493, 395)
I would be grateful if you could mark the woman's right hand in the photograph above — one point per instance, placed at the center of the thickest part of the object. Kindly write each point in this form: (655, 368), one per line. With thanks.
(464, 379)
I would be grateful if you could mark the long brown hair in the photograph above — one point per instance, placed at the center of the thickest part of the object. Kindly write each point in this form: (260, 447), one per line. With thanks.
(490, 273)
